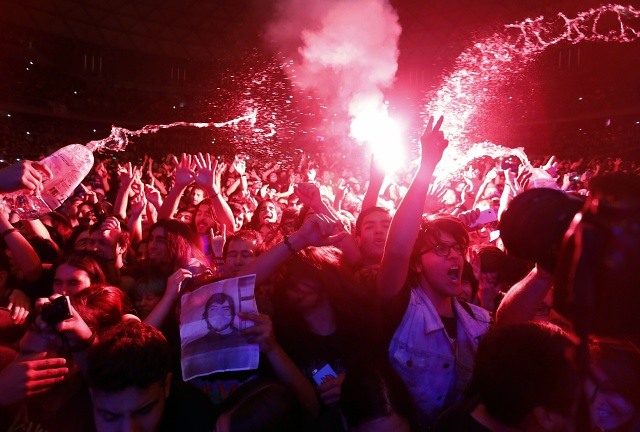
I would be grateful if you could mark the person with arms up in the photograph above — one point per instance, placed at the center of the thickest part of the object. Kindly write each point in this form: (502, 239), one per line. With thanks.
(433, 336)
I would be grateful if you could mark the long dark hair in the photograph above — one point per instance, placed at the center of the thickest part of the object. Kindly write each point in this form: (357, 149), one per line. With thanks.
(85, 261)
(181, 244)
(255, 219)
(324, 266)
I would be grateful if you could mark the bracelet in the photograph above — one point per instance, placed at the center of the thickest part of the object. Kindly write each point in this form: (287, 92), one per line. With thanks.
(288, 245)
(8, 231)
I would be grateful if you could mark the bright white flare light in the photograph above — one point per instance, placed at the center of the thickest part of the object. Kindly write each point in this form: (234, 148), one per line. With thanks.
(383, 134)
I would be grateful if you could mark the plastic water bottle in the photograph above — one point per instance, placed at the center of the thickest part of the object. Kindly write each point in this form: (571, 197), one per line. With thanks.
(69, 165)
(541, 179)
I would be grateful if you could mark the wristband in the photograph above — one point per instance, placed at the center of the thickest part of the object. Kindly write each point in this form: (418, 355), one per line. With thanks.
(288, 245)
(8, 231)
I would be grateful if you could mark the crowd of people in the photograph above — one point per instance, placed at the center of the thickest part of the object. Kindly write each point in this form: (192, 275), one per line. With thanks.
(499, 298)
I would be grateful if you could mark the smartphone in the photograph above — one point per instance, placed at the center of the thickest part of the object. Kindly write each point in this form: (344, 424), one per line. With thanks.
(325, 371)
(486, 216)
(56, 311)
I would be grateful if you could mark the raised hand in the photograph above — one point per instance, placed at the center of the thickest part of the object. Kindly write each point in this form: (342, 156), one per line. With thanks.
(469, 218)
(308, 193)
(217, 242)
(174, 282)
(551, 167)
(89, 195)
(24, 175)
(522, 181)
(205, 170)
(240, 165)
(490, 175)
(101, 170)
(150, 168)
(342, 188)
(433, 142)
(128, 174)
(318, 230)
(111, 223)
(153, 195)
(434, 197)
(510, 180)
(138, 204)
(184, 170)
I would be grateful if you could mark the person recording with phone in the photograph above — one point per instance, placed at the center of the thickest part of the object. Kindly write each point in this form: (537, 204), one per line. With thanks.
(44, 387)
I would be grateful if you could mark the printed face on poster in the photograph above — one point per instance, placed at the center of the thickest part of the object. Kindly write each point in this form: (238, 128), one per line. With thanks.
(210, 329)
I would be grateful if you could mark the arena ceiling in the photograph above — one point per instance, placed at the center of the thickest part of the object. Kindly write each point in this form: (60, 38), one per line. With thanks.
(207, 29)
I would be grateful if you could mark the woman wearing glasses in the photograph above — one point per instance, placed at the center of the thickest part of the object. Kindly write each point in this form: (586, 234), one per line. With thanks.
(433, 337)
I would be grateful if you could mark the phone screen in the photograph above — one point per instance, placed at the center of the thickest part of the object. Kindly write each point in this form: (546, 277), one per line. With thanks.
(323, 372)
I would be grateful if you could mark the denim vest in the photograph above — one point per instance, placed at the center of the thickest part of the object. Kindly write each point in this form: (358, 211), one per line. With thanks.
(436, 370)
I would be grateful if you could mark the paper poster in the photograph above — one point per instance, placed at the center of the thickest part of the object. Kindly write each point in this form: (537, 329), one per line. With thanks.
(210, 328)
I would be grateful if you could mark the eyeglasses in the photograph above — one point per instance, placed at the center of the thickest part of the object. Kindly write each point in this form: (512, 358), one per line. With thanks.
(443, 250)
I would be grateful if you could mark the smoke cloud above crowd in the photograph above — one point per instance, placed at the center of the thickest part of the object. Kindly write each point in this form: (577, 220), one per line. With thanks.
(345, 52)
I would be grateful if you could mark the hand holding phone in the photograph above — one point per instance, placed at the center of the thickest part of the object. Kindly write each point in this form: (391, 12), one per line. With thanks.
(486, 216)
(56, 311)
(325, 371)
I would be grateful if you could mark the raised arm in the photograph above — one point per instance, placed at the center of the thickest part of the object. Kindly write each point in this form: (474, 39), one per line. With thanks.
(240, 166)
(317, 230)
(167, 303)
(524, 298)
(205, 177)
(102, 172)
(309, 194)
(184, 177)
(406, 222)
(24, 255)
(24, 175)
(128, 175)
(138, 205)
(376, 179)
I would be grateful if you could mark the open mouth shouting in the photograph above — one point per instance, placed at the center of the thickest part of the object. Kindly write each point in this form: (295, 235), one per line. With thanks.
(454, 273)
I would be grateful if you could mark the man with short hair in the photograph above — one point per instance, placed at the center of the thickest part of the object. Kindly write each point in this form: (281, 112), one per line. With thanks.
(110, 241)
(132, 388)
(372, 227)
(241, 249)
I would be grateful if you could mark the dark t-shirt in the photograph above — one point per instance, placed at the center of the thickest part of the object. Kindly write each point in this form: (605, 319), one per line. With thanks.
(310, 351)
(458, 418)
(188, 409)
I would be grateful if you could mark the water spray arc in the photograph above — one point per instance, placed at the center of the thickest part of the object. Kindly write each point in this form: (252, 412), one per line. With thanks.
(482, 69)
